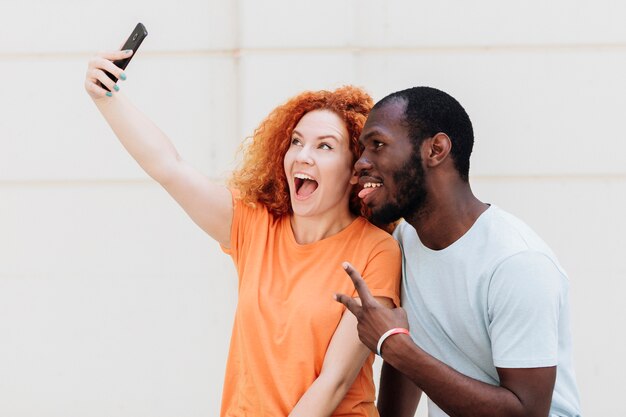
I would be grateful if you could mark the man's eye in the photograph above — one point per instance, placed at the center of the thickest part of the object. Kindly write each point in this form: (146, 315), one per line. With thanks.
(377, 144)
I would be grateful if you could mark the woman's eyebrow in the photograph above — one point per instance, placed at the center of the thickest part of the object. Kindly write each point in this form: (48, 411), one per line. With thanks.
(328, 137)
(319, 137)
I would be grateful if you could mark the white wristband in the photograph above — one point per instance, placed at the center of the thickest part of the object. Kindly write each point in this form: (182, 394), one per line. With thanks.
(390, 332)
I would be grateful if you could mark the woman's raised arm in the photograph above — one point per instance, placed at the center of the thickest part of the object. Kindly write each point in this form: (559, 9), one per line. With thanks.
(207, 203)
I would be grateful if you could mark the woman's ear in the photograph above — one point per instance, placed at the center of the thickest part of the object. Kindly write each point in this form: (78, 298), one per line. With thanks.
(354, 179)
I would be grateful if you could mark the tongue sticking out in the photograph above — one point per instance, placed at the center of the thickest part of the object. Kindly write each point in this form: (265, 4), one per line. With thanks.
(366, 191)
(307, 188)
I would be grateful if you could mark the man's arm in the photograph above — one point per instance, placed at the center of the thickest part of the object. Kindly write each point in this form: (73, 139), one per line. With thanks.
(522, 392)
(398, 395)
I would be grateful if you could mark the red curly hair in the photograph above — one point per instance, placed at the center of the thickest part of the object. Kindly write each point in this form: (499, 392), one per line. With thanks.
(261, 177)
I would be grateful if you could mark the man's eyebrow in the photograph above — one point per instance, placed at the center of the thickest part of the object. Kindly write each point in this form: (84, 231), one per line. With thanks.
(369, 135)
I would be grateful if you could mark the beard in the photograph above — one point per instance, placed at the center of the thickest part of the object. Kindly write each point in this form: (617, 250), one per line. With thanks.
(410, 193)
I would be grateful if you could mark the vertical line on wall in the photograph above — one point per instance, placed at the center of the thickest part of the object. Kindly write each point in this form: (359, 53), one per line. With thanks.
(237, 66)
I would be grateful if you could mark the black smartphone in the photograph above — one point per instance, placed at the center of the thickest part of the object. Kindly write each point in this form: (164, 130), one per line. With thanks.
(134, 40)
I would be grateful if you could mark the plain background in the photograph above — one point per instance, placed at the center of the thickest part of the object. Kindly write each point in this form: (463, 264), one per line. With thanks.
(113, 303)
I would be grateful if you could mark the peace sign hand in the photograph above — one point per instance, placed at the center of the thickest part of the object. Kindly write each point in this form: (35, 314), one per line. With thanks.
(374, 319)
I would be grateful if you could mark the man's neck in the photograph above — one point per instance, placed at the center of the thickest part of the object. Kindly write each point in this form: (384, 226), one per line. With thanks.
(448, 214)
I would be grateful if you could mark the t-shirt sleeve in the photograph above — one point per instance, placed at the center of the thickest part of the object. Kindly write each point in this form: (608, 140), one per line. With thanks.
(383, 269)
(242, 215)
(526, 295)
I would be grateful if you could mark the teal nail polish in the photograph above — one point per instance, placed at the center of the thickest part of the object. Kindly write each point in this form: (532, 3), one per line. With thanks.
(128, 51)
(123, 77)
(116, 88)
(109, 94)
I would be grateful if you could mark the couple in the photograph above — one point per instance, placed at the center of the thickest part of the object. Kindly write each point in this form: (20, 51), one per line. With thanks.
(484, 299)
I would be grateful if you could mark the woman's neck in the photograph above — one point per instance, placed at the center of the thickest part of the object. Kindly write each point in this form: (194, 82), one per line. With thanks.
(311, 229)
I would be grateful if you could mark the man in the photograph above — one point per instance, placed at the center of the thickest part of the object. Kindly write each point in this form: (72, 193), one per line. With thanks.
(484, 298)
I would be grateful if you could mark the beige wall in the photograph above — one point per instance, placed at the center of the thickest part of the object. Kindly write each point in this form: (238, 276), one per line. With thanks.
(112, 303)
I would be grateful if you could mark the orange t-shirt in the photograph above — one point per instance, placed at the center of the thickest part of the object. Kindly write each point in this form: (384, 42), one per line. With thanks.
(286, 315)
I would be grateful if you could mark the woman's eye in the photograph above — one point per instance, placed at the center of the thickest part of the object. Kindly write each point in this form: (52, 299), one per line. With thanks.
(295, 141)
(325, 146)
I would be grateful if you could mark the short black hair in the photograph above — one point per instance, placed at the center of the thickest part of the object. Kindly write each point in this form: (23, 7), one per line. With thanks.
(430, 111)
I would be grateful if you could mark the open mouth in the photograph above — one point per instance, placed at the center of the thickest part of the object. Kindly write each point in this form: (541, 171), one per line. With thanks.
(305, 185)
(369, 188)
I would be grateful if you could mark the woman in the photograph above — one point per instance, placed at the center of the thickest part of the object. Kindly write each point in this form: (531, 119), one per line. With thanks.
(289, 220)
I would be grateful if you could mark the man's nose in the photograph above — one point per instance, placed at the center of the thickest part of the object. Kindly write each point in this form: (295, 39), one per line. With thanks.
(362, 164)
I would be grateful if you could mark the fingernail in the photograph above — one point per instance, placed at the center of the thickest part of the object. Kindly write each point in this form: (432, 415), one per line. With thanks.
(345, 265)
(116, 88)
(109, 94)
(123, 77)
(128, 51)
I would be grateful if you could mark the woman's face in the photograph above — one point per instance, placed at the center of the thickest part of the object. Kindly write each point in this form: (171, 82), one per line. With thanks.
(319, 165)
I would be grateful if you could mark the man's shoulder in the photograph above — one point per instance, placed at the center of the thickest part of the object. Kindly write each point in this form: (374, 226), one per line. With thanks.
(495, 229)
(509, 231)
(495, 235)
(505, 236)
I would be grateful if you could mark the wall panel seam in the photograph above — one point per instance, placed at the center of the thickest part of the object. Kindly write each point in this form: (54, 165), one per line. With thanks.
(387, 50)
(132, 182)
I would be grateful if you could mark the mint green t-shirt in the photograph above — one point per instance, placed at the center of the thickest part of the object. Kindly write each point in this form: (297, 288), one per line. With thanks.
(496, 297)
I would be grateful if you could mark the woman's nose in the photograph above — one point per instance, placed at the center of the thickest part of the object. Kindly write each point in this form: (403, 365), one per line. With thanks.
(304, 156)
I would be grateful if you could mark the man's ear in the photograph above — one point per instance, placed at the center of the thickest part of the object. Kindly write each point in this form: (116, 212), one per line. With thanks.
(436, 149)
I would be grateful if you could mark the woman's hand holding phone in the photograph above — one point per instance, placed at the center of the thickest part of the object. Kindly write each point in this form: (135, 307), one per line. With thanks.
(106, 68)
(97, 76)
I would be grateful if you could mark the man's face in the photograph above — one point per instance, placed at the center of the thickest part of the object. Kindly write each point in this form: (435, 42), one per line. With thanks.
(390, 167)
